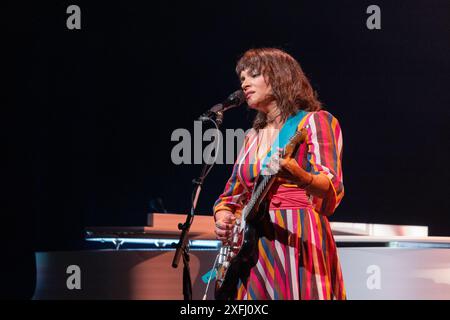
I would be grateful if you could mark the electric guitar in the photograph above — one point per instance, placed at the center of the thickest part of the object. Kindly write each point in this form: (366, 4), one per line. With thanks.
(241, 250)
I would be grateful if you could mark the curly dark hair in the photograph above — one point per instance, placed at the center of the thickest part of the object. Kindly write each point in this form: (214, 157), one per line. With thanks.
(291, 88)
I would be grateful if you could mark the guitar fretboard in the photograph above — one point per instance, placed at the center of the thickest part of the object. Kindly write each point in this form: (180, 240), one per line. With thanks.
(257, 193)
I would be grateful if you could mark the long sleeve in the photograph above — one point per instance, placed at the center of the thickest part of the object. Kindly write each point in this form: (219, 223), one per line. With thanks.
(324, 143)
(234, 190)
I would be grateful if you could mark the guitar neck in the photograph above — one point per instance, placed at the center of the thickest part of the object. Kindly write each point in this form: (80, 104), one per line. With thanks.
(259, 194)
(265, 181)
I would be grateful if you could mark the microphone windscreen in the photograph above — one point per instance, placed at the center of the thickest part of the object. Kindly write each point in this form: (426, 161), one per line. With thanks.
(237, 97)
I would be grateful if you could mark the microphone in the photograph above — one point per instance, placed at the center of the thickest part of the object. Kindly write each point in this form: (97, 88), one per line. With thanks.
(234, 100)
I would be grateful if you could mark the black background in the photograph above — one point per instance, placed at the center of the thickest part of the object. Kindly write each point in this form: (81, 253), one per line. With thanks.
(88, 114)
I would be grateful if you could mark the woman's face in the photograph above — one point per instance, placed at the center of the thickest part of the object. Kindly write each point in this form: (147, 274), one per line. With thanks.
(257, 91)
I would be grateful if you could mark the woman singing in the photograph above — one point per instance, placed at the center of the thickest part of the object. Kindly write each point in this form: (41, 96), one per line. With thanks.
(297, 257)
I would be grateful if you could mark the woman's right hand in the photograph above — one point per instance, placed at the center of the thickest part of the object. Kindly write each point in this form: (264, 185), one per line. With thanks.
(224, 225)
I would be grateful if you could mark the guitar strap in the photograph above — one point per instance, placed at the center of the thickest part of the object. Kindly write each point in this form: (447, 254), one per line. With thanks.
(287, 132)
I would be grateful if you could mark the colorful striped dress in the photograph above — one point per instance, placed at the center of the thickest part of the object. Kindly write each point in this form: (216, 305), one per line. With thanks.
(297, 257)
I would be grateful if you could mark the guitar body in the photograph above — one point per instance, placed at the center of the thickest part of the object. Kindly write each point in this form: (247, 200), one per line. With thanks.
(242, 254)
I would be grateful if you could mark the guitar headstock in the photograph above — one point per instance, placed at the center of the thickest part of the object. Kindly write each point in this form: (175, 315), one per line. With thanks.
(298, 138)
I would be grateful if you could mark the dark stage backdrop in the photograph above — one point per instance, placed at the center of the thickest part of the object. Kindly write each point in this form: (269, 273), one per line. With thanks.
(88, 114)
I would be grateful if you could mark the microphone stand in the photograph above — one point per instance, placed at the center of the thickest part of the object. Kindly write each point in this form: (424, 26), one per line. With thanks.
(183, 244)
